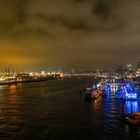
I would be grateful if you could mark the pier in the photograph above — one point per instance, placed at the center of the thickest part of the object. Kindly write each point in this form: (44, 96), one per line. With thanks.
(26, 77)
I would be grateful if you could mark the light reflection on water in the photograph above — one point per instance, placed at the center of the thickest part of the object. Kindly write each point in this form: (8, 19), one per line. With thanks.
(131, 106)
(55, 110)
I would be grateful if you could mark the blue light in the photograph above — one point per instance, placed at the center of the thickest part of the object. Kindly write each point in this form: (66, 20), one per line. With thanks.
(126, 92)
(130, 107)
(129, 93)
(120, 92)
(106, 89)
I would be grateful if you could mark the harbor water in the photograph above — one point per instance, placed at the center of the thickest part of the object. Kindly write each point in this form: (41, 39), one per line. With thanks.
(55, 110)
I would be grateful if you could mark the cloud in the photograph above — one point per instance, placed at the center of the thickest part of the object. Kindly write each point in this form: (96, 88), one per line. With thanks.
(72, 31)
(104, 8)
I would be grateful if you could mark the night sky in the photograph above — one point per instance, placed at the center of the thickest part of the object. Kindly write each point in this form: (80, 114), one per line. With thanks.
(84, 34)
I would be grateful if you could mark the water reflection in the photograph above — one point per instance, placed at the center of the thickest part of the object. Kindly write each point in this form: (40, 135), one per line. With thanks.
(12, 96)
(131, 106)
(96, 104)
(54, 110)
(10, 115)
(12, 88)
(127, 107)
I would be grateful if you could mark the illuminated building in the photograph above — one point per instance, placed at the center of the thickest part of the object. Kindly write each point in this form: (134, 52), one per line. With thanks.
(138, 72)
(129, 67)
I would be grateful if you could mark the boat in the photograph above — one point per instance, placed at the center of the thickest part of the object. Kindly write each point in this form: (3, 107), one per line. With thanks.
(96, 93)
(91, 93)
(106, 89)
(126, 92)
(88, 93)
(7, 80)
(133, 119)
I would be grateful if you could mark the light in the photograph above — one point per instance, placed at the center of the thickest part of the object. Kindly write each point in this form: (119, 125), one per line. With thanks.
(1, 79)
(130, 107)
(129, 92)
(61, 75)
(106, 89)
(126, 92)
(30, 73)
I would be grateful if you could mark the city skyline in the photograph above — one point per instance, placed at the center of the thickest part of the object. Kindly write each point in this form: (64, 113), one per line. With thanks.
(81, 34)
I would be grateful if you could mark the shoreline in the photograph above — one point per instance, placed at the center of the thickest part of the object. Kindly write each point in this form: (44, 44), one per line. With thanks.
(28, 80)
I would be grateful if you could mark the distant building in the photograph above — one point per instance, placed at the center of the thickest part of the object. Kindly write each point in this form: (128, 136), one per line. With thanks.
(43, 72)
(138, 72)
(129, 67)
(119, 69)
(97, 72)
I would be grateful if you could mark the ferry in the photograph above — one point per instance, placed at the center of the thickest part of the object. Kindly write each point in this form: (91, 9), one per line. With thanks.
(7, 80)
(126, 92)
(96, 93)
(91, 93)
(106, 89)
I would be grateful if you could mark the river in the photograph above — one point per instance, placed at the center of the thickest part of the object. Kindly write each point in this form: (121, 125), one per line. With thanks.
(55, 110)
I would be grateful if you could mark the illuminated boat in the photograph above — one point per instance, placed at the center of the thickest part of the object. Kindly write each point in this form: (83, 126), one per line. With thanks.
(100, 85)
(133, 119)
(126, 92)
(96, 93)
(92, 93)
(106, 89)
(7, 80)
(88, 93)
(120, 92)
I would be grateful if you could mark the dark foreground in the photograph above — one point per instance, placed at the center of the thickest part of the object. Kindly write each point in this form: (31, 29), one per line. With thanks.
(55, 110)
